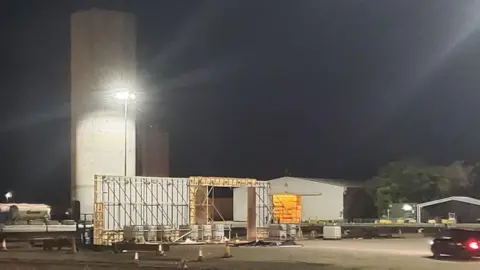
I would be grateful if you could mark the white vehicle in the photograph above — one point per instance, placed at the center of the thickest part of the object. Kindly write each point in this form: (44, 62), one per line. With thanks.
(11, 212)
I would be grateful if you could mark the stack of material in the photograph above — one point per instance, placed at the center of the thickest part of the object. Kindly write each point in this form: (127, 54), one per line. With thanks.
(292, 231)
(332, 232)
(262, 233)
(175, 235)
(194, 235)
(150, 233)
(133, 233)
(164, 233)
(218, 232)
(277, 232)
(206, 232)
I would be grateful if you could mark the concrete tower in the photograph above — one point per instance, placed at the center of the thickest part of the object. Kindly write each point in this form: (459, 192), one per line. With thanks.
(103, 64)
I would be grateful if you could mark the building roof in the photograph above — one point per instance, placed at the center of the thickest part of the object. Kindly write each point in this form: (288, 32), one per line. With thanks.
(335, 182)
(449, 199)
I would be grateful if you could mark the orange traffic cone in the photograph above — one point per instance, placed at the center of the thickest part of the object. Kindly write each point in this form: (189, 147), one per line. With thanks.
(160, 251)
(236, 239)
(200, 254)
(135, 257)
(4, 245)
(227, 251)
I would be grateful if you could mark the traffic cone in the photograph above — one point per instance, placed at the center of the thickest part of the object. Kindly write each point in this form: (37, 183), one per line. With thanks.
(160, 251)
(135, 257)
(227, 251)
(200, 254)
(236, 239)
(300, 234)
(4, 245)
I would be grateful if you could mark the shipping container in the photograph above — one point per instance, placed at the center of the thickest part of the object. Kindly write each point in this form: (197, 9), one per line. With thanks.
(287, 208)
(143, 201)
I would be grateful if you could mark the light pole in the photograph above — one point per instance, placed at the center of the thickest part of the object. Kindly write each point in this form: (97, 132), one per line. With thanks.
(8, 195)
(126, 97)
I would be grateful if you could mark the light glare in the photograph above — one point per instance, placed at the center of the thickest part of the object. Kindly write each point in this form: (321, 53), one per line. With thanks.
(124, 95)
(407, 207)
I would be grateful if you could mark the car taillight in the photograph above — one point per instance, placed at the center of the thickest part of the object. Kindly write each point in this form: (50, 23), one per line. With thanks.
(472, 245)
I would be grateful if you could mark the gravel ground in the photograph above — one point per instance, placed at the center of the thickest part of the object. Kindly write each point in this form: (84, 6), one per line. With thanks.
(393, 254)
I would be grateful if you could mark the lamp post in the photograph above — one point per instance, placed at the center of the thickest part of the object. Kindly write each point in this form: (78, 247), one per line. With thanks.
(126, 97)
(8, 195)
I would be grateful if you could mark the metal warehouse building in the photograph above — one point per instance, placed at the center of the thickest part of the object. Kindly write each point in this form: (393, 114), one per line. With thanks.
(295, 199)
(464, 209)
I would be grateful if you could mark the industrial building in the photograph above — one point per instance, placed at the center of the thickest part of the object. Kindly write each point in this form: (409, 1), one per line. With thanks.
(295, 199)
(103, 65)
(462, 209)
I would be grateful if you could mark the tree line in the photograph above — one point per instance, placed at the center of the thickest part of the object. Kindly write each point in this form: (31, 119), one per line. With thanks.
(415, 181)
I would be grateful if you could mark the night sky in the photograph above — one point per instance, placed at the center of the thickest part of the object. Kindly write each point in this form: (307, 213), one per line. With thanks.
(254, 88)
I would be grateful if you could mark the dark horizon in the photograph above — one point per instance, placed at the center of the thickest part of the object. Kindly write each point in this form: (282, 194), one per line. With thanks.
(330, 89)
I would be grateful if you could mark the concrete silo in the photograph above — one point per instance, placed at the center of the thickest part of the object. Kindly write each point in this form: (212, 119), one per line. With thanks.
(103, 64)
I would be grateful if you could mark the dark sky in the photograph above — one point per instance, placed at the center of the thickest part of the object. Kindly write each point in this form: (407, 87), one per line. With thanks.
(251, 88)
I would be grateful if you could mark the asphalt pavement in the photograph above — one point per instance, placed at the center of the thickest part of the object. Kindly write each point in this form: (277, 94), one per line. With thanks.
(391, 254)
(362, 254)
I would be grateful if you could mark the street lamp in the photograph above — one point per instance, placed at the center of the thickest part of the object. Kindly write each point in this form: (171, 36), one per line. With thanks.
(126, 97)
(8, 195)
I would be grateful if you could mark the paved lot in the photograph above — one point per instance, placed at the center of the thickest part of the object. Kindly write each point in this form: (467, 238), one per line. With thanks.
(393, 254)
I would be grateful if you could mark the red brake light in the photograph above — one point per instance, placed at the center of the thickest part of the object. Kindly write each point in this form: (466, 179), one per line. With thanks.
(473, 245)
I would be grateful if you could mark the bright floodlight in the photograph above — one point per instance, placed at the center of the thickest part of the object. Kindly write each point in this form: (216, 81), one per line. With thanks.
(407, 207)
(8, 195)
(125, 95)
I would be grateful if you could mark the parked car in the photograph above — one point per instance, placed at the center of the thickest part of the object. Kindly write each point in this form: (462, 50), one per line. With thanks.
(460, 243)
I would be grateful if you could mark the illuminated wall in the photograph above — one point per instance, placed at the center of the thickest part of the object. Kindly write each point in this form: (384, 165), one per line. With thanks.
(103, 63)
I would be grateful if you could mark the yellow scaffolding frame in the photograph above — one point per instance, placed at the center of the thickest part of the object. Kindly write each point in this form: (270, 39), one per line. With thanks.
(198, 182)
(98, 218)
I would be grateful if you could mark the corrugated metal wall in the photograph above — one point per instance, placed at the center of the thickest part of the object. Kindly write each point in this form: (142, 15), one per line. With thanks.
(144, 201)
(240, 204)
(264, 204)
(320, 201)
